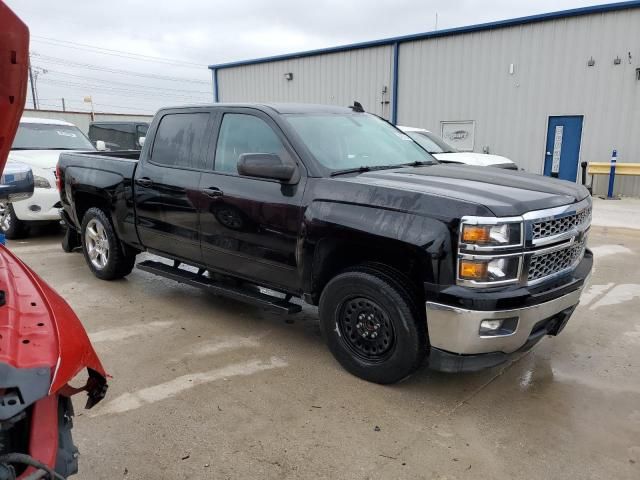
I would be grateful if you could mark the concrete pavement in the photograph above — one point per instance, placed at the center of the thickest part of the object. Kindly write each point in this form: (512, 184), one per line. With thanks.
(204, 387)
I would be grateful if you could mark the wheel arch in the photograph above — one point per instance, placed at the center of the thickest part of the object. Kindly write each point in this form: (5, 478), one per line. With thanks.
(339, 236)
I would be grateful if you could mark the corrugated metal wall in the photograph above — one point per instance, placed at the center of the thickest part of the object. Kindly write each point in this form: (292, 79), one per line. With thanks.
(82, 119)
(336, 79)
(466, 77)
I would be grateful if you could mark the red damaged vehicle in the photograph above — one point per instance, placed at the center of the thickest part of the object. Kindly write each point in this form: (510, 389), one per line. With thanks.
(43, 345)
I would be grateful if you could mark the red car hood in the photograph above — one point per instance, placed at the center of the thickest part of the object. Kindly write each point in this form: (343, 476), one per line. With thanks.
(38, 328)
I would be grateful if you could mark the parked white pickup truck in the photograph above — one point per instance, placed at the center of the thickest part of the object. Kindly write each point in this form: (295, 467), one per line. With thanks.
(444, 152)
(38, 144)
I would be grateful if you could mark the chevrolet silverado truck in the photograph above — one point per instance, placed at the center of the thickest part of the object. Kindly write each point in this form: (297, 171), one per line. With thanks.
(404, 257)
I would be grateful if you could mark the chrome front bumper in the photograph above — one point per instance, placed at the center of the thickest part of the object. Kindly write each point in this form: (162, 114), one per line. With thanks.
(457, 330)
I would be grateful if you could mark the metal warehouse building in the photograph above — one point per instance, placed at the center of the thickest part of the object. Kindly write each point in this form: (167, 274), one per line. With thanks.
(547, 90)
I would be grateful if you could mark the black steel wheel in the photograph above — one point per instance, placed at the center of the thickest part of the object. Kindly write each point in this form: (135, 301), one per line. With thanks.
(366, 329)
(372, 324)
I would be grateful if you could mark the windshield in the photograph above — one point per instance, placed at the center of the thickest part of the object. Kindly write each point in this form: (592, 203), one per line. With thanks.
(348, 141)
(43, 136)
(431, 143)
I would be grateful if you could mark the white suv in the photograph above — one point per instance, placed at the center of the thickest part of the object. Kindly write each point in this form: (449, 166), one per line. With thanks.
(38, 144)
(444, 152)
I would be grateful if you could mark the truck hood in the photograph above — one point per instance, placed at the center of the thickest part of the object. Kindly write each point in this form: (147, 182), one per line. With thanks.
(504, 192)
(46, 159)
(472, 158)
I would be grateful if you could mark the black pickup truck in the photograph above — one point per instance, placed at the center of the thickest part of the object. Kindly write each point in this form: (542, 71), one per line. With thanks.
(404, 257)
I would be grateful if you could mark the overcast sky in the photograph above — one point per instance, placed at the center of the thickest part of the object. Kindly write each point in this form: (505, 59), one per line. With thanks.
(64, 34)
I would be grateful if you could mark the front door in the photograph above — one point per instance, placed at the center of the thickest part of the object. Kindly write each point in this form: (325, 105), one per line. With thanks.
(563, 147)
(250, 226)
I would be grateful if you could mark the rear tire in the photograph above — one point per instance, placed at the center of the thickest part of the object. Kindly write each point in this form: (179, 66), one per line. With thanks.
(102, 250)
(12, 227)
(372, 324)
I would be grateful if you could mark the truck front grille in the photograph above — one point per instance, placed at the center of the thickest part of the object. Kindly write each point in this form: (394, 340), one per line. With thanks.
(558, 226)
(545, 264)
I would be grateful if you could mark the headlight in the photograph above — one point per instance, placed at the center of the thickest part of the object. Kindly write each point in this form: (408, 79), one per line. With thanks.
(507, 234)
(493, 271)
(40, 182)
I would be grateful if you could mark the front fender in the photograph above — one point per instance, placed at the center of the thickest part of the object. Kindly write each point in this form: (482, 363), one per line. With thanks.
(373, 226)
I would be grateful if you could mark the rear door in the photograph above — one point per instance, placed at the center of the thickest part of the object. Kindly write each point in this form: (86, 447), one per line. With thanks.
(167, 183)
(250, 226)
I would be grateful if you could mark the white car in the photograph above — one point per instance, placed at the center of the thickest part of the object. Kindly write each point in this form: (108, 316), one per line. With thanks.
(38, 144)
(437, 147)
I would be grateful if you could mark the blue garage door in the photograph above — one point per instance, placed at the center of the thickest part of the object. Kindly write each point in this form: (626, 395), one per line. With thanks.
(563, 147)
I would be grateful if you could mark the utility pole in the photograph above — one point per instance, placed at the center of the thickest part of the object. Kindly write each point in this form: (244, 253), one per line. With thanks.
(33, 88)
(89, 99)
(64, 107)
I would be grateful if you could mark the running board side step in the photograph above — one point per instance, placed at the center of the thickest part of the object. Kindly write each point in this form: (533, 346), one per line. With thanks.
(198, 280)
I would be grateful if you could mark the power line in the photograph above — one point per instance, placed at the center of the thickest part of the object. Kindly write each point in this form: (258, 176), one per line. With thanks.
(84, 110)
(117, 90)
(89, 66)
(117, 53)
(56, 72)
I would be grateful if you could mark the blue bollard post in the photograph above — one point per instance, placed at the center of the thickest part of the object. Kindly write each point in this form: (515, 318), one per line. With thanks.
(612, 173)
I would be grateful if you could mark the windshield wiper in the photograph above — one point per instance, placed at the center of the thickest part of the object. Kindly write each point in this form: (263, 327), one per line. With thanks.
(419, 163)
(363, 168)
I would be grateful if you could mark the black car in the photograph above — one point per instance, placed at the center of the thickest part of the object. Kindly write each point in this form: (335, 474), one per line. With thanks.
(405, 257)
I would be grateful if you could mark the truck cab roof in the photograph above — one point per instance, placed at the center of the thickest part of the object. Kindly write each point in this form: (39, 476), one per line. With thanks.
(280, 108)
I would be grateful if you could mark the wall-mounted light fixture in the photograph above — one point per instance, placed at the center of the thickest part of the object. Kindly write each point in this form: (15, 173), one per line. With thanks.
(288, 76)
(617, 61)
(591, 62)
(638, 74)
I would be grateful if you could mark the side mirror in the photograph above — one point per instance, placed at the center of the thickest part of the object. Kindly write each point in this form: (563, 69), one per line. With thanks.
(101, 146)
(141, 141)
(265, 165)
(16, 182)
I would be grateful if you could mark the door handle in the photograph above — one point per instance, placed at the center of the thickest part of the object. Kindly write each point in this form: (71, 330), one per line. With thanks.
(144, 182)
(212, 192)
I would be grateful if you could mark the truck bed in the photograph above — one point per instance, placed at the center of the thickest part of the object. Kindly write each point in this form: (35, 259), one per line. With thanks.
(107, 177)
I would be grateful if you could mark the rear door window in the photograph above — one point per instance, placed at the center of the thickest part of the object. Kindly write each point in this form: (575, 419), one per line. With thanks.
(180, 140)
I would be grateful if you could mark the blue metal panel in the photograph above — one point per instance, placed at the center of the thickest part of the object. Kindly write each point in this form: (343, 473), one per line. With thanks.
(394, 91)
(568, 146)
(214, 77)
(574, 12)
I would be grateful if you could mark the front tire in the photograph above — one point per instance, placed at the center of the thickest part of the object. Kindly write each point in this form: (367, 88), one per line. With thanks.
(12, 227)
(372, 326)
(102, 250)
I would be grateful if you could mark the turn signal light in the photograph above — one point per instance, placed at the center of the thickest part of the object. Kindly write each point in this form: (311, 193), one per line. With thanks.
(476, 234)
(471, 270)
